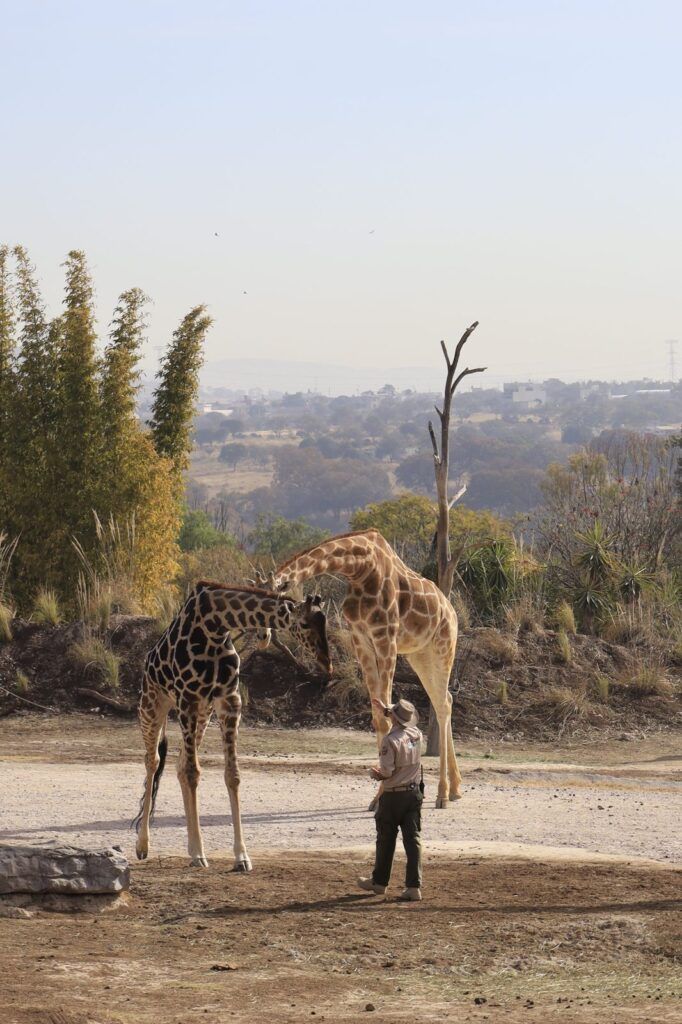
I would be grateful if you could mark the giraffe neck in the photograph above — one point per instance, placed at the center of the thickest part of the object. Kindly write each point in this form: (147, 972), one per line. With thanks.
(351, 556)
(222, 609)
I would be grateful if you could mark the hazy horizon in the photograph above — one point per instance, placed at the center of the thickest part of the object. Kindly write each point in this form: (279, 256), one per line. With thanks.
(345, 184)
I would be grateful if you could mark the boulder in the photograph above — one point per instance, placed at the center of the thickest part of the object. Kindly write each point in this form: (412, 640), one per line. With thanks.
(67, 870)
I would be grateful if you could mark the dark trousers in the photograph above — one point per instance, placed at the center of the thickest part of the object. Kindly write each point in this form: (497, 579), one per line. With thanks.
(399, 811)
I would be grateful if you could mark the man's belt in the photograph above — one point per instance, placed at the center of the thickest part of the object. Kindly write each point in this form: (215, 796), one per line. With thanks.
(400, 789)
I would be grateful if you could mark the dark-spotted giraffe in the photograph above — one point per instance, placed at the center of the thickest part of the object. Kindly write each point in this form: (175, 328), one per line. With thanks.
(194, 667)
(390, 610)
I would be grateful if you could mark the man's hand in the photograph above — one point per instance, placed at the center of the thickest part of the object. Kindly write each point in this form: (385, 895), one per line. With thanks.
(376, 774)
(379, 705)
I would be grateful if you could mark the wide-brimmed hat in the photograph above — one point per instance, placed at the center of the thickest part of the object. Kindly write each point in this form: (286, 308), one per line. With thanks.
(404, 711)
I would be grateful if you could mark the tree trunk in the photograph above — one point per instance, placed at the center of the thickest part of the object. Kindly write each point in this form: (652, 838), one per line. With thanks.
(441, 459)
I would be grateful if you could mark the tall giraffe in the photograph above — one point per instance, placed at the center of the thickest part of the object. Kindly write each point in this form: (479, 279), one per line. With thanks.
(194, 667)
(390, 610)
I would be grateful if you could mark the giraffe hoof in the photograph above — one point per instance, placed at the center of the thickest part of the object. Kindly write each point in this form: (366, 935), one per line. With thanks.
(141, 854)
(441, 802)
(242, 867)
(455, 796)
(198, 862)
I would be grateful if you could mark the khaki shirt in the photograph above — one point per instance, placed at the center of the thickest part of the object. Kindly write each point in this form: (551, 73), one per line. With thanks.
(400, 757)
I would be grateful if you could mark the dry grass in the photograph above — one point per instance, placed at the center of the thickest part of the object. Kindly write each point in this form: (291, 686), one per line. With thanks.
(563, 648)
(167, 607)
(564, 618)
(22, 683)
(523, 616)
(346, 686)
(46, 608)
(602, 685)
(94, 653)
(492, 644)
(6, 616)
(647, 680)
(565, 706)
(462, 610)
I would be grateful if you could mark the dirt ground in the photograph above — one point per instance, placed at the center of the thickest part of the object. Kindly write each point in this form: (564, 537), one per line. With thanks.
(552, 890)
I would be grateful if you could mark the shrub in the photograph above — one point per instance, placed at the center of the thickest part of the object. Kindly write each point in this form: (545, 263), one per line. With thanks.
(92, 652)
(6, 616)
(564, 652)
(46, 608)
(564, 617)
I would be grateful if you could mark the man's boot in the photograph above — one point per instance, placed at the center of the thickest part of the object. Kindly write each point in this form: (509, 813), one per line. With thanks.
(410, 895)
(369, 886)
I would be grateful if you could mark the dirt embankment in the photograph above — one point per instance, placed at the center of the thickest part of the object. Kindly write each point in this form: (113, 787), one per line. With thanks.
(516, 686)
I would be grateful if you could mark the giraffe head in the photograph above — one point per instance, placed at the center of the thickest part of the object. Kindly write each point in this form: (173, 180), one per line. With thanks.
(309, 627)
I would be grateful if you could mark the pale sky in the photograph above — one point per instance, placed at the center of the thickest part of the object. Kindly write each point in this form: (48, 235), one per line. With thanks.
(379, 174)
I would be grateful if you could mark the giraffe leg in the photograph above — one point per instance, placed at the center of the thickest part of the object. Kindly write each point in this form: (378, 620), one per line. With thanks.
(189, 773)
(378, 669)
(453, 768)
(434, 674)
(152, 714)
(228, 710)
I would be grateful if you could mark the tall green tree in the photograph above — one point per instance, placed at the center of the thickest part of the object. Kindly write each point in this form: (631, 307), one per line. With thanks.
(6, 376)
(78, 420)
(176, 393)
(32, 441)
(119, 384)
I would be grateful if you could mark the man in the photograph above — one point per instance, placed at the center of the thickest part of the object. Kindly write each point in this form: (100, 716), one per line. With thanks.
(400, 803)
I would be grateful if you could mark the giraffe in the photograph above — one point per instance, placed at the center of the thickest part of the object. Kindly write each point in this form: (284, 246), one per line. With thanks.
(390, 610)
(194, 667)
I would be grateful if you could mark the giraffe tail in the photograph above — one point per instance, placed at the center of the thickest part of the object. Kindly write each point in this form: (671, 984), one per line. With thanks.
(162, 750)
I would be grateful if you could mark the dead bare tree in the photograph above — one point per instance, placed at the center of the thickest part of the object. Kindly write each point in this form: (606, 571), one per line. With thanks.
(445, 562)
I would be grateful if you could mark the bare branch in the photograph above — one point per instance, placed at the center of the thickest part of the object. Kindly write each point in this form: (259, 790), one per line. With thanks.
(465, 373)
(440, 414)
(434, 442)
(457, 496)
(445, 353)
(462, 342)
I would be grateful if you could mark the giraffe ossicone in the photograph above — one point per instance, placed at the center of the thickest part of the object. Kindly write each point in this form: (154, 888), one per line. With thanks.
(194, 668)
(390, 610)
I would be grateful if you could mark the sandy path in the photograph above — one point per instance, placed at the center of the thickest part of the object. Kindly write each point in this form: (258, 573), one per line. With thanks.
(318, 807)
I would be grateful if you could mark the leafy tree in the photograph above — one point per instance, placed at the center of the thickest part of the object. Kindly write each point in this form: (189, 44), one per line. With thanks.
(233, 453)
(176, 392)
(275, 538)
(408, 519)
(305, 483)
(197, 531)
(416, 471)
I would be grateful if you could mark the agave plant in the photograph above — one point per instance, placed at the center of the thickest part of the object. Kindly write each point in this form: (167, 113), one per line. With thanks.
(632, 581)
(595, 560)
